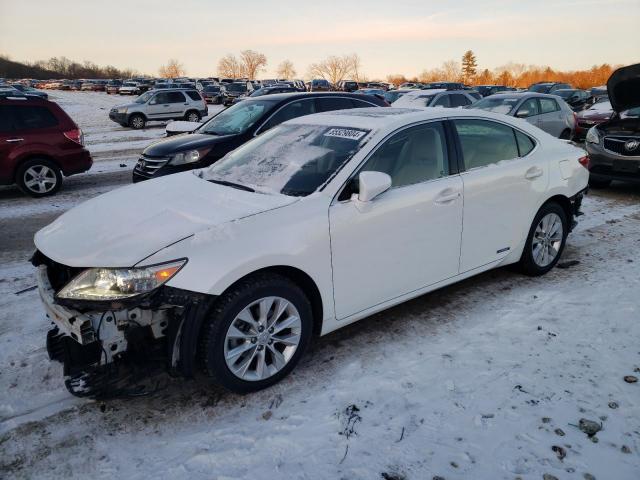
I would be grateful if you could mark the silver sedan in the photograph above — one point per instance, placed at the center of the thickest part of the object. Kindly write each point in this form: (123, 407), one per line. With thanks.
(547, 112)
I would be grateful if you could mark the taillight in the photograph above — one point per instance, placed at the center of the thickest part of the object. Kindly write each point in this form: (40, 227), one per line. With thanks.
(584, 161)
(75, 135)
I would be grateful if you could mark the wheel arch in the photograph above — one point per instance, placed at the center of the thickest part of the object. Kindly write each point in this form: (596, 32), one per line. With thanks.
(564, 202)
(301, 279)
(33, 156)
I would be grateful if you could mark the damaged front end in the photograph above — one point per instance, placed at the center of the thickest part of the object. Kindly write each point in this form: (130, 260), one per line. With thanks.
(115, 347)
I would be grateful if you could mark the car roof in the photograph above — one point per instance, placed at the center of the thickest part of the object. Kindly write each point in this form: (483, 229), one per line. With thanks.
(525, 94)
(288, 96)
(391, 118)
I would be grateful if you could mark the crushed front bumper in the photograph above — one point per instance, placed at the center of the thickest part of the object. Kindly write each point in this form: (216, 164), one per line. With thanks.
(107, 350)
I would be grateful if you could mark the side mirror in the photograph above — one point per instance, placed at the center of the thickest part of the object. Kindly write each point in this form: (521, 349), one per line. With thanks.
(522, 113)
(372, 184)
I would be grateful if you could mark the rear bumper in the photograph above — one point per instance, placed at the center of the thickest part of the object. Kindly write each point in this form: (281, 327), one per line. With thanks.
(77, 162)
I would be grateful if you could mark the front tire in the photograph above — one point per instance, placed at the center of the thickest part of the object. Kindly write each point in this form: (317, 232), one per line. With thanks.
(137, 121)
(39, 177)
(546, 240)
(256, 333)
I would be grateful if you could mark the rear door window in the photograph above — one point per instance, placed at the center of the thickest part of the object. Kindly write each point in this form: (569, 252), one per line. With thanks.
(529, 108)
(30, 117)
(548, 105)
(175, 97)
(333, 103)
(442, 101)
(458, 100)
(485, 142)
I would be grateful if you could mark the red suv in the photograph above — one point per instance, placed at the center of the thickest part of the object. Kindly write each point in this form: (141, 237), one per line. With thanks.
(38, 144)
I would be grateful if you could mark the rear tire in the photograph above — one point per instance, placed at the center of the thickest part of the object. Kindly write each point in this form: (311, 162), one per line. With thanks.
(546, 240)
(192, 116)
(217, 340)
(137, 121)
(39, 177)
(598, 183)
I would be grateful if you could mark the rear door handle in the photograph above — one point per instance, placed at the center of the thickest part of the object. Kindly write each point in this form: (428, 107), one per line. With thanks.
(533, 173)
(14, 140)
(446, 197)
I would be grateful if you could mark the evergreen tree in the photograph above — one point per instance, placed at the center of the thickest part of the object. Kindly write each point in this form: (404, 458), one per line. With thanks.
(469, 65)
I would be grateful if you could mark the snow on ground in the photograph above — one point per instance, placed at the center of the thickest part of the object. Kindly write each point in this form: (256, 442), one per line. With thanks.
(486, 379)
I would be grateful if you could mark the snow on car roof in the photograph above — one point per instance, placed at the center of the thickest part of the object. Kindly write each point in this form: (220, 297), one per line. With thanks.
(388, 119)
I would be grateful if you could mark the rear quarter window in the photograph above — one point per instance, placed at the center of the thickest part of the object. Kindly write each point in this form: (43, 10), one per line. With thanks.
(525, 144)
(193, 95)
(34, 117)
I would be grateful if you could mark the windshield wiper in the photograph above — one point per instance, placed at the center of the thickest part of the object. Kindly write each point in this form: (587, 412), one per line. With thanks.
(233, 185)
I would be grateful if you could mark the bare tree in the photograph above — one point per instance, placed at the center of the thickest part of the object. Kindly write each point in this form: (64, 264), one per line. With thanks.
(230, 67)
(172, 69)
(252, 63)
(335, 68)
(286, 70)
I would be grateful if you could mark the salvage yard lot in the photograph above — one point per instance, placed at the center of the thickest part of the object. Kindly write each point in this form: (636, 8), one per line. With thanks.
(480, 380)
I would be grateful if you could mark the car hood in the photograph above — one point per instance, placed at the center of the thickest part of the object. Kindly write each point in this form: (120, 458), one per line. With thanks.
(181, 143)
(125, 226)
(624, 88)
(126, 105)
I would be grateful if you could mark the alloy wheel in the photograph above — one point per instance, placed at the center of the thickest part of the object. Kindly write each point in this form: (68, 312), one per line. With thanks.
(137, 122)
(192, 117)
(262, 338)
(40, 179)
(547, 240)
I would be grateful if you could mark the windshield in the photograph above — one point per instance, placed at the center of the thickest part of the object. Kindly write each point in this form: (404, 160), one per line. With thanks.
(293, 160)
(540, 88)
(210, 88)
(236, 87)
(238, 118)
(496, 104)
(144, 98)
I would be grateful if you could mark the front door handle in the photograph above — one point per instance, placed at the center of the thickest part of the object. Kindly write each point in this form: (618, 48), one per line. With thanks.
(533, 173)
(446, 197)
(14, 140)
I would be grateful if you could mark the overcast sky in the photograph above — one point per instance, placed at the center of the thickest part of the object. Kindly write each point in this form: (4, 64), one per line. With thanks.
(405, 36)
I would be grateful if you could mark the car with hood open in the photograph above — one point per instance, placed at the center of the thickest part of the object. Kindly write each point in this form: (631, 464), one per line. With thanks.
(316, 223)
(233, 127)
(614, 145)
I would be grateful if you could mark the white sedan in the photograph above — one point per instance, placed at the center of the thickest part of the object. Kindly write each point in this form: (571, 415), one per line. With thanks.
(313, 225)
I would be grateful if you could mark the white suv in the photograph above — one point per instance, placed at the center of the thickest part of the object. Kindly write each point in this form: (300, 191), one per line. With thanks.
(165, 104)
(315, 224)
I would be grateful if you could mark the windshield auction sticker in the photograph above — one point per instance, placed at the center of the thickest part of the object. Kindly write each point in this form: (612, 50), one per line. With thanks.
(345, 133)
